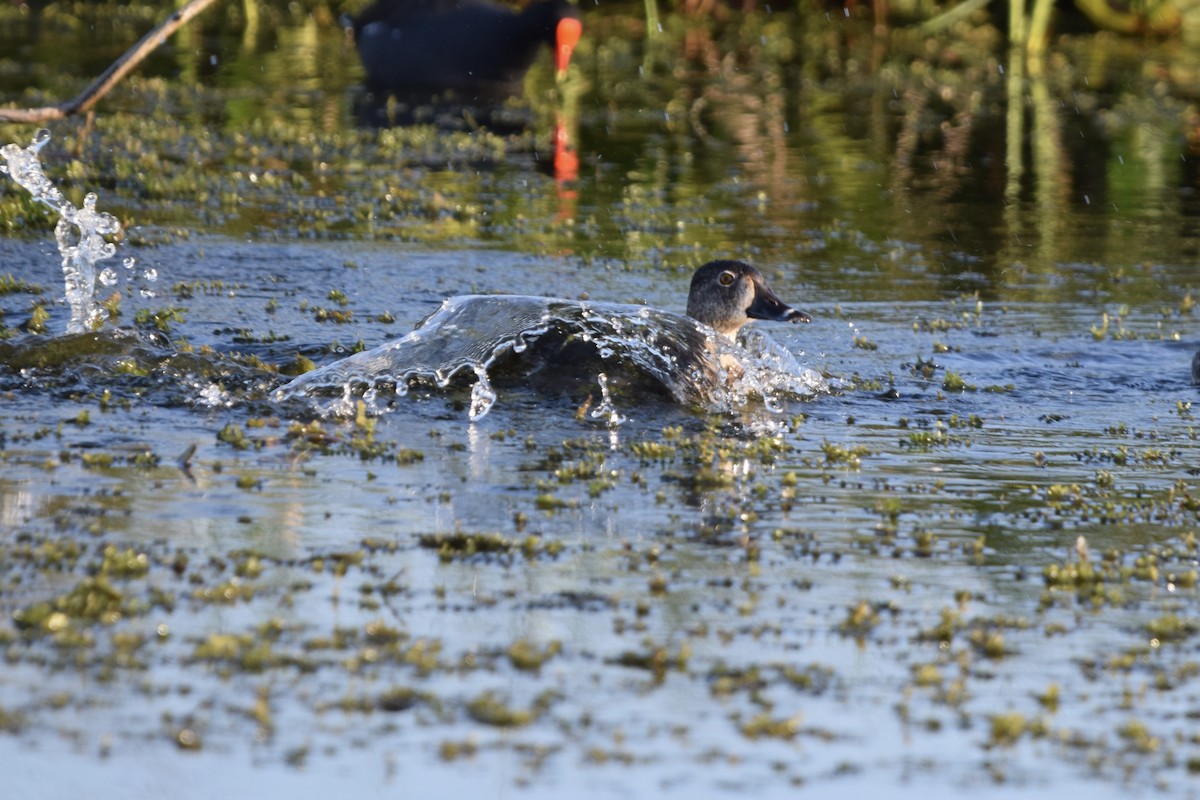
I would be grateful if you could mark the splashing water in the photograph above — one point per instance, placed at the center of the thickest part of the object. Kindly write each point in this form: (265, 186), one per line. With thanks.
(79, 233)
(607, 410)
(471, 335)
(483, 396)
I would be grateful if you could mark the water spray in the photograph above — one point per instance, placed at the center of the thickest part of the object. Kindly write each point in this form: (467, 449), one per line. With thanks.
(80, 232)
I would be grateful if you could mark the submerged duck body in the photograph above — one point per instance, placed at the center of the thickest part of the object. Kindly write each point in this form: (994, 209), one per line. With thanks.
(562, 346)
(475, 47)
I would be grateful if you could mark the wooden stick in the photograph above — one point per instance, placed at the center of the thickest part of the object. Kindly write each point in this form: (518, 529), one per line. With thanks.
(111, 76)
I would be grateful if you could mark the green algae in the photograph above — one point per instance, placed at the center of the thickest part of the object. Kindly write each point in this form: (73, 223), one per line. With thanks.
(12, 285)
(953, 382)
(526, 655)
(860, 620)
(764, 726)
(92, 601)
(451, 546)
(160, 320)
(1171, 628)
(657, 660)
(1006, 730)
(233, 435)
(489, 709)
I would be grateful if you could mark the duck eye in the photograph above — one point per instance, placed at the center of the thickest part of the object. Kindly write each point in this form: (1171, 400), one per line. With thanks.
(726, 278)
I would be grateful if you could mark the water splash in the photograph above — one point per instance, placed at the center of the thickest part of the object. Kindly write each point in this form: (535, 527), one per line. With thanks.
(476, 335)
(132, 364)
(483, 396)
(607, 410)
(80, 232)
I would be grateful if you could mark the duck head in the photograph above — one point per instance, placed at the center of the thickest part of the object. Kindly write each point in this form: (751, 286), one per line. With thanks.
(725, 295)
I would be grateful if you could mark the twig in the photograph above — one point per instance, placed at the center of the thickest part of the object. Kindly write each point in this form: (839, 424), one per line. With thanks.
(111, 76)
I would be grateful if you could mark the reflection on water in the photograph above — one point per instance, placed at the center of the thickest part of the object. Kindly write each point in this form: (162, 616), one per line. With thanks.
(694, 141)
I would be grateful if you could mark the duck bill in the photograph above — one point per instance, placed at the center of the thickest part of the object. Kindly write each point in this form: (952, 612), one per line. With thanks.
(767, 306)
(566, 36)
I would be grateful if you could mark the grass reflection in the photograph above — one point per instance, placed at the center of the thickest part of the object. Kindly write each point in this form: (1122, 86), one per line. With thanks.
(780, 135)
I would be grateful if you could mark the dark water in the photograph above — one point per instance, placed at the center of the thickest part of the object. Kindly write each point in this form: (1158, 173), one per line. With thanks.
(882, 589)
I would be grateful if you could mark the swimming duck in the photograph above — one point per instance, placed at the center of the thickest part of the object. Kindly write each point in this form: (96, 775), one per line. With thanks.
(725, 295)
(679, 356)
(476, 47)
(561, 346)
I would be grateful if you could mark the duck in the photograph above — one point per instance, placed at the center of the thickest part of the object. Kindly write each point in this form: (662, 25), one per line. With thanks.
(726, 295)
(558, 347)
(683, 361)
(477, 48)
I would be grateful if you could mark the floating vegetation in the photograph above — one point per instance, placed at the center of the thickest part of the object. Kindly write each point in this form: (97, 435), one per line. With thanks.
(12, 285)
(489, 709)
(953, 382)
(452, 546)
(526, 655)
(1007, 729)
(763, 725)
(657, 660)
(847, 456)
(860, 620)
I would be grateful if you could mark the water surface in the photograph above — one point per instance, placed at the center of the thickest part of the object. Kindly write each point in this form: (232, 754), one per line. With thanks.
(970, 566)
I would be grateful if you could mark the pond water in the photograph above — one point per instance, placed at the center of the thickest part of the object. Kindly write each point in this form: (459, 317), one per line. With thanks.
(968, 563)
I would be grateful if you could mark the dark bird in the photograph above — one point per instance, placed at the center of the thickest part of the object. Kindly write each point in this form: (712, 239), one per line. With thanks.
(476, 48)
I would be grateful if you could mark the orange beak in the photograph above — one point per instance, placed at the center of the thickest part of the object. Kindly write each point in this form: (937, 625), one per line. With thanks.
(566, 36)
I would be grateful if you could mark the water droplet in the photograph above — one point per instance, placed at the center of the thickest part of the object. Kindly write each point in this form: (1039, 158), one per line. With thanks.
(483, 396)
(606, 409)
(213, 395)
(107, 277)
(151, 274)
(129, 263)
(79, 232)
